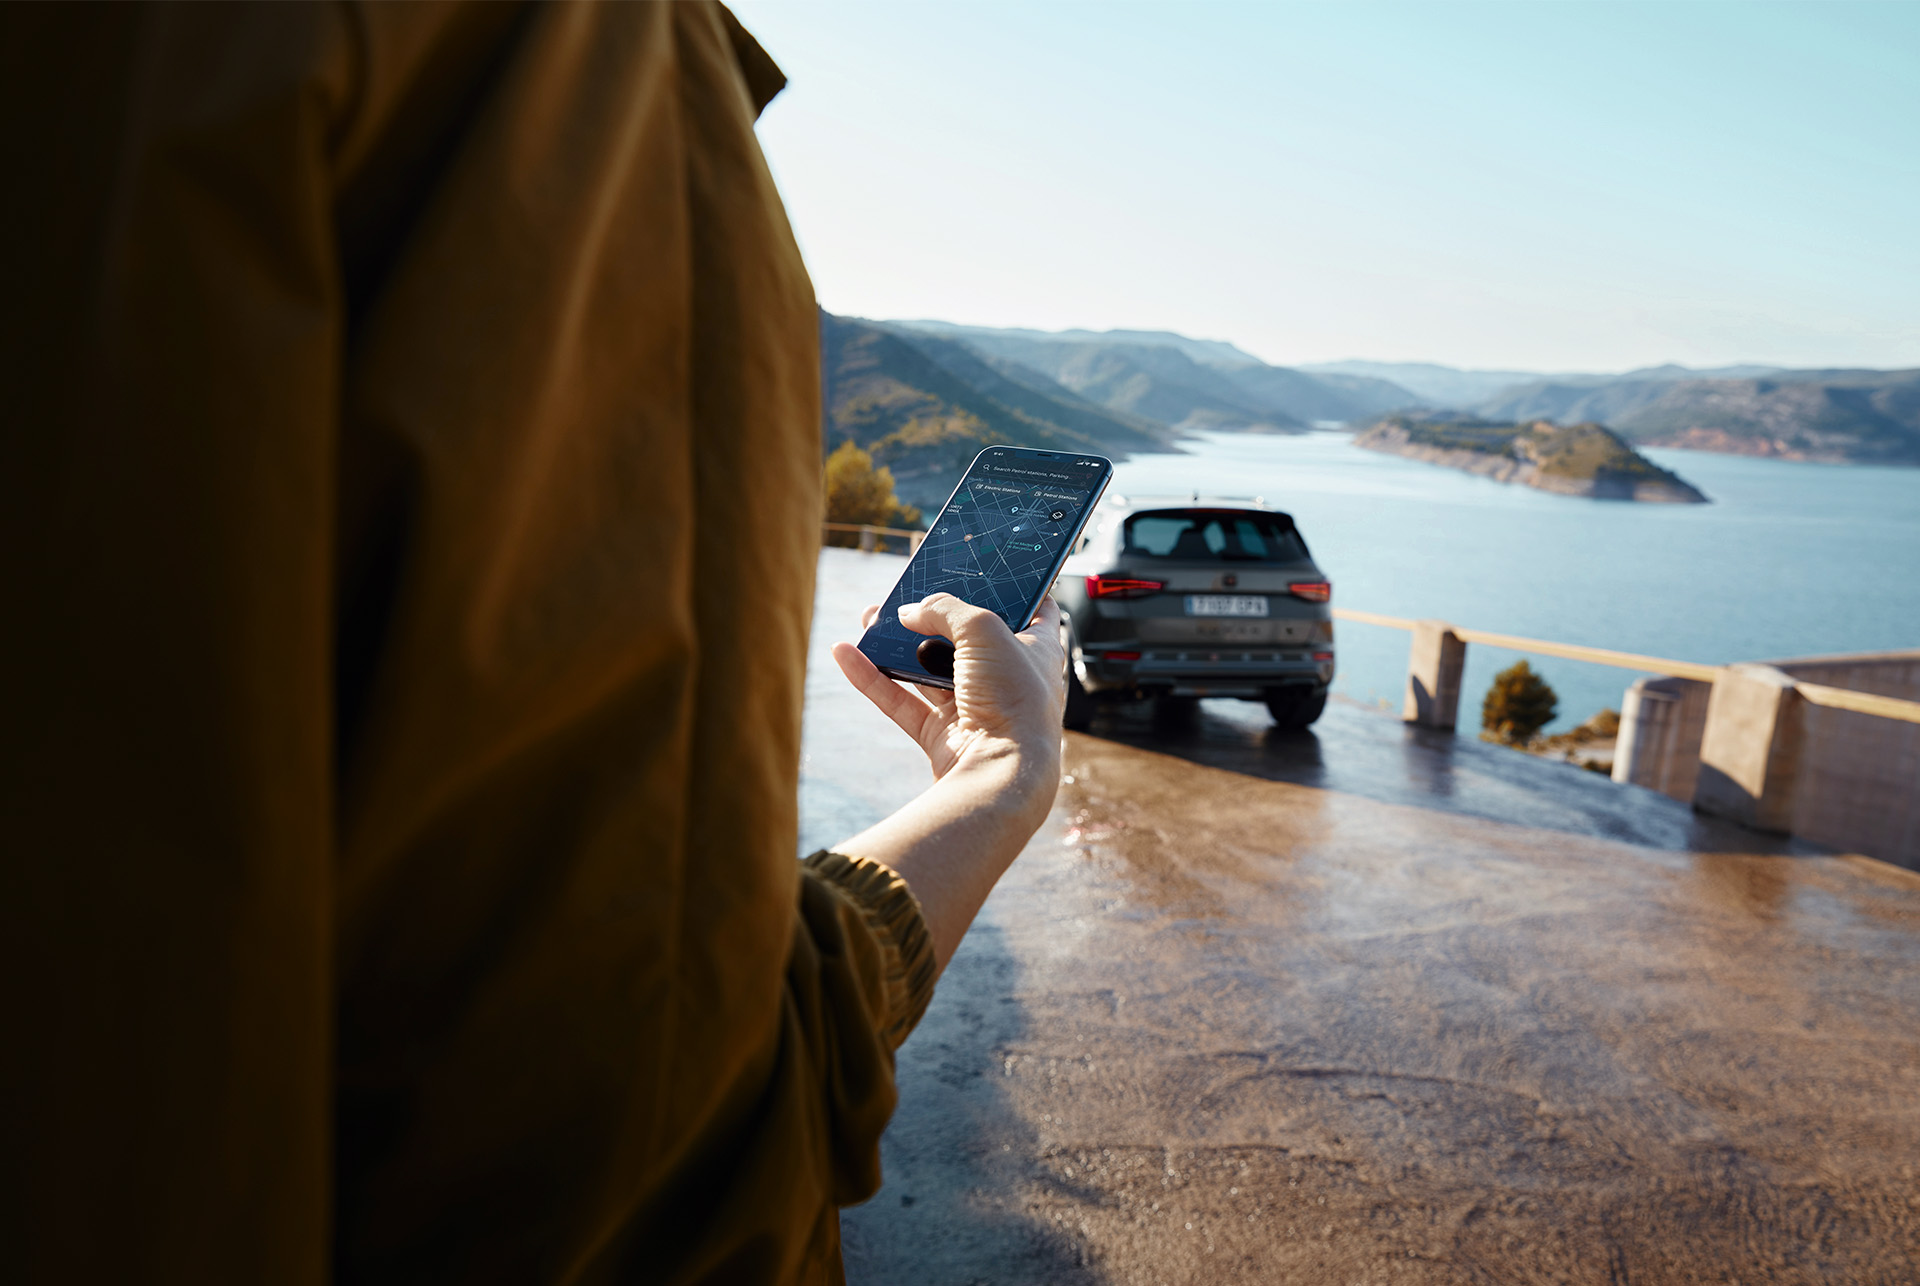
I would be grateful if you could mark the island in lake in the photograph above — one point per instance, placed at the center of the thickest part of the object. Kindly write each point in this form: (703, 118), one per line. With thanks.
(1573, 460)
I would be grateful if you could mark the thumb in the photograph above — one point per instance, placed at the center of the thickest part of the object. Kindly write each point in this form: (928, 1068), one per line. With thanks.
(953, 618)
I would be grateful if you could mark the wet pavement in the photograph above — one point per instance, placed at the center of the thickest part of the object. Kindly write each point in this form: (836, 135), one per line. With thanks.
(1370, 1004)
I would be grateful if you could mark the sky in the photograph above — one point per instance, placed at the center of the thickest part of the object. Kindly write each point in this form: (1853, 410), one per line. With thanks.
(1537, 186)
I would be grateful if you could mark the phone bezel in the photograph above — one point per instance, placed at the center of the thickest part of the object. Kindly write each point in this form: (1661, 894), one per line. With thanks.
(921, 677)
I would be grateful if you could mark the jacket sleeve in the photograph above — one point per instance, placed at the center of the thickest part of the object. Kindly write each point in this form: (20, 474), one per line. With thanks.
(860, 976)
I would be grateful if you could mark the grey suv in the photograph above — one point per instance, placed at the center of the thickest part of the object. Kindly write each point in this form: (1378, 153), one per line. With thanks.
(1177, 599)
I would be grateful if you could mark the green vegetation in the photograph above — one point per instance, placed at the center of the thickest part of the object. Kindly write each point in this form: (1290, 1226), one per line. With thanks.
(1517, 706)
(1489, 437)
(1590, 451)
(1569, 451)
(856, 492)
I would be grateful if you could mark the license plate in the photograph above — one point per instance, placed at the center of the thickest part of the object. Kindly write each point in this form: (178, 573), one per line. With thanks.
(1226, 605)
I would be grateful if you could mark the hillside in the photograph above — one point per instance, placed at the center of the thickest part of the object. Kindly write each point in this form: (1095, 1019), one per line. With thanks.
(1432, 383)
(926, 394)
(1162, 383)
(1574, 460)
(1508, 394)
(1837, 417)
(1186, 383)
(1207, 352)
(1566, 401)
(925, 405)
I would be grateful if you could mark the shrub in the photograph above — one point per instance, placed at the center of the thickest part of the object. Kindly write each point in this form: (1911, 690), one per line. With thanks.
(858, 492)
(1518, 705)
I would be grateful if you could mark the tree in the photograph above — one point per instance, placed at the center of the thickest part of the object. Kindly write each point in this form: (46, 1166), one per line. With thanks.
(857, 492)
(1518, 705)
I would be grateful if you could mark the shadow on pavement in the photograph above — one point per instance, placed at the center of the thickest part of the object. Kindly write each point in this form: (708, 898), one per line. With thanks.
(958, 1156)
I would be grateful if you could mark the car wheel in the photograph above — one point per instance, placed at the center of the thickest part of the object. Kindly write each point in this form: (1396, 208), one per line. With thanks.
(1079, 714)
(1295, 708)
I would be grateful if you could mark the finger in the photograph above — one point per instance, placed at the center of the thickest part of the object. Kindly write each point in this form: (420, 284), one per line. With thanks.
(905, 708)
(868, 614)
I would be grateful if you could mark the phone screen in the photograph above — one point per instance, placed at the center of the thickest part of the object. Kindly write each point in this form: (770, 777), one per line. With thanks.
(998, 544)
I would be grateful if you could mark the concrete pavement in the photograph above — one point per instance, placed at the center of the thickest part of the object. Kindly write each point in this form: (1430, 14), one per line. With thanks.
(1373, 1004)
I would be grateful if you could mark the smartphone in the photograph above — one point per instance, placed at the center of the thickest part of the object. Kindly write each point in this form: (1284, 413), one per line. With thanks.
(997, 543)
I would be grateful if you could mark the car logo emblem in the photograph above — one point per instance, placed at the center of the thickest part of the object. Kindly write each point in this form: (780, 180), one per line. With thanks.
(1229, 580)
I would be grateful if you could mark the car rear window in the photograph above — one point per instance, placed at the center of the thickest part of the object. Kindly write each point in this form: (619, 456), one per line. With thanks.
(1200, 535)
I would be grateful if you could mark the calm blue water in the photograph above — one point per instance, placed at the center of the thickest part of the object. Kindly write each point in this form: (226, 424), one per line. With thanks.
(1789, 560)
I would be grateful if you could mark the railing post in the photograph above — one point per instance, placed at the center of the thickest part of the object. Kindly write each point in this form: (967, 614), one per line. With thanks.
(913, 542)
(1434, 663)
(1661, 723)
(869, 538)
(1750, 751)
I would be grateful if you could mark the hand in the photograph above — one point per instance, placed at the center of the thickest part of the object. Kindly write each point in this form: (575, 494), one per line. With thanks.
(1009, 689)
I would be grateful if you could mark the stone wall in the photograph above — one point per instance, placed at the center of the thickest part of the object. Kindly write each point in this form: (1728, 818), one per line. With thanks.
(1661, 723)
(1858, 784)
(1776, 761)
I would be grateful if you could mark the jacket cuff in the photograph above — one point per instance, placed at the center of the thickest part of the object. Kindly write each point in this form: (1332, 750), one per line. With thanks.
(893, 914)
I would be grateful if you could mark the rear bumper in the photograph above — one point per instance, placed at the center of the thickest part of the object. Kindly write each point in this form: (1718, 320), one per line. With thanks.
(1201, 673)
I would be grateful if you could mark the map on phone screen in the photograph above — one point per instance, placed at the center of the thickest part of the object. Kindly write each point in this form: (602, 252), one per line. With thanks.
(996, 544)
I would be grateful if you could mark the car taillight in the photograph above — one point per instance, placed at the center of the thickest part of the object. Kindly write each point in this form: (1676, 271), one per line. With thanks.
(1122, 656)
(1314, 591)
(1323, 656)
(1121, 587)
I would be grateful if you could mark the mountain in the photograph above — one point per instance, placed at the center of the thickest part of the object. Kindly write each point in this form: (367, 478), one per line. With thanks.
(925, 406)
(925, 395)
(1163, 383)
(1435, 385)
(1207, 352)
(1836, 417)
(1186, 383)
(1567, 399)
(1571, 460)
(1450, 386)
(1833, 416)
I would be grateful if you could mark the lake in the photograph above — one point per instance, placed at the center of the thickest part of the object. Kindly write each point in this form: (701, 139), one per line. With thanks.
(1789, 560)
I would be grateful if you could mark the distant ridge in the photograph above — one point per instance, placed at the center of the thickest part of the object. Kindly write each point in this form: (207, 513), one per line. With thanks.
(1186, 383)
(925, 395)
(1828, 416)
(1452, 386)
(1432, 383)
(1208, 352)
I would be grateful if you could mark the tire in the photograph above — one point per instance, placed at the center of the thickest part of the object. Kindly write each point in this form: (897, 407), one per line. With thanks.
(1079, 713)
(1296, 708)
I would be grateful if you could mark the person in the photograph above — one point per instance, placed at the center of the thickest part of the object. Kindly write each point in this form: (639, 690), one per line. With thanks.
(410, 517)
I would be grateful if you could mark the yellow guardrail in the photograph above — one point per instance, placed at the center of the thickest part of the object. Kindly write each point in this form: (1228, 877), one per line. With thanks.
(1572, 651)
(870, 535)
(1597, 655)
(1816, 693)
(1373, 618)
(1859, 702)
